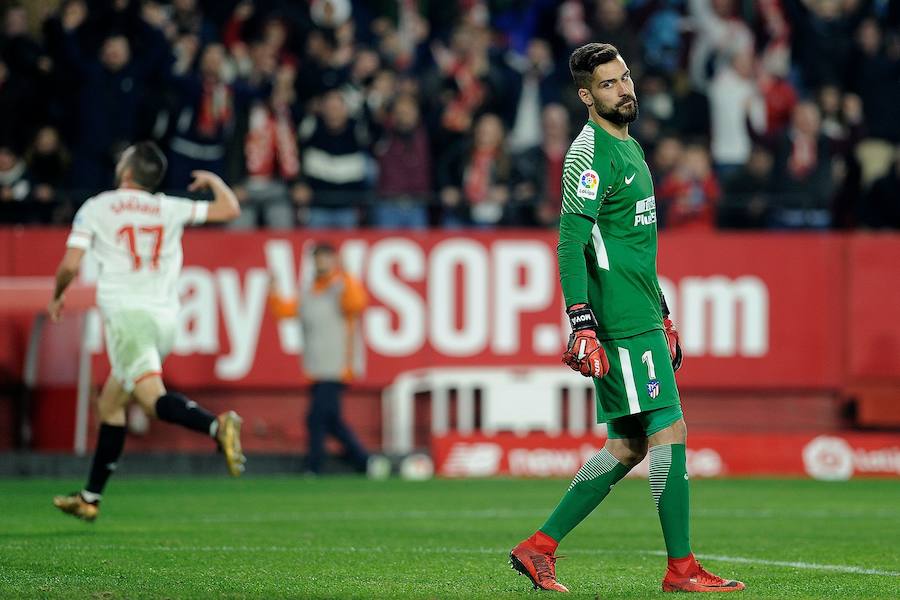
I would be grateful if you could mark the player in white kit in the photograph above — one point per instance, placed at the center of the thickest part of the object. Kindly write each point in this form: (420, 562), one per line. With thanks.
(136, 238)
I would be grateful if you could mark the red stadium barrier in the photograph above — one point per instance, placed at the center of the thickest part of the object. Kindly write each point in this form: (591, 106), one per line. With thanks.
(835, 457)
(872, 286)
(755, 311)
(772, 313)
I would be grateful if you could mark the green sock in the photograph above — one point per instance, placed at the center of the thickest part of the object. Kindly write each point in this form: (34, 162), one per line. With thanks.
(669, 485)
(591, 485)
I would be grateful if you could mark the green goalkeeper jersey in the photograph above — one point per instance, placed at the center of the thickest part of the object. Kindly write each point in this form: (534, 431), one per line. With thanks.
(609, 258)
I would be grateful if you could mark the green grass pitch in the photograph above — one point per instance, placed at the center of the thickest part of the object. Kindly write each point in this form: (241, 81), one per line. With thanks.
(352, 538)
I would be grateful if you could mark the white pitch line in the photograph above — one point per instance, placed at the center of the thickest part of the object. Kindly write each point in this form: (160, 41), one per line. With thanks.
(365, 516)
(801, 565)
(517, 514)
(786, 563)
(850, 569)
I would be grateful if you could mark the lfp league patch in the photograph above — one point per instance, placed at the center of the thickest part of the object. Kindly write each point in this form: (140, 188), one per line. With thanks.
(653, 388)
(588, 184)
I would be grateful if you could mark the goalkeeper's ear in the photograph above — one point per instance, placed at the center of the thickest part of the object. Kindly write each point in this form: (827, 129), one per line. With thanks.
(584, 95)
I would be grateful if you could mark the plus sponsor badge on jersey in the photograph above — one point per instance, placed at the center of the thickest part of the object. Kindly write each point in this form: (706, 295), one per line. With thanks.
(588, 184)
(645, 211)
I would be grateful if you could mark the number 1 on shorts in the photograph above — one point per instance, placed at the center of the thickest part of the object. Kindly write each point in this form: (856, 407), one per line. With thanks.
(647, 359)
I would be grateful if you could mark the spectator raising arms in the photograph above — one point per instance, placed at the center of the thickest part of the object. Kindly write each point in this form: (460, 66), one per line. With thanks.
(535, 85)
(735, 100)
(112, 85)
(205, 117)
(719, 36)
(337, 113)
(272, 158)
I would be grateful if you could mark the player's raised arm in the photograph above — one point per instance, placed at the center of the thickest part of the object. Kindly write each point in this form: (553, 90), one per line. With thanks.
(225, 206)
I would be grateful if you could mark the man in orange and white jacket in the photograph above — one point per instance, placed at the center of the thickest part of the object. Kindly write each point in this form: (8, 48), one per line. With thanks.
(328, 310)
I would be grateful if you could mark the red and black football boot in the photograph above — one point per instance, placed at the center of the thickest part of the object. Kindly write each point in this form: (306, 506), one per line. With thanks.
(687, 575)
(534, 558)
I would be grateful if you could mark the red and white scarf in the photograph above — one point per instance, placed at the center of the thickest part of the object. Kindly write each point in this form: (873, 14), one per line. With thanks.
(271, 143)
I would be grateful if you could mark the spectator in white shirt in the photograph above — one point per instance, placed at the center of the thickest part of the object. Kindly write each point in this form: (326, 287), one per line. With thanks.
(718, 35)
(735, 100)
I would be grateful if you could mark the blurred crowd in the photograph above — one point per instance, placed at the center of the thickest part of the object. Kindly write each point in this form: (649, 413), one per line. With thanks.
(776, 114)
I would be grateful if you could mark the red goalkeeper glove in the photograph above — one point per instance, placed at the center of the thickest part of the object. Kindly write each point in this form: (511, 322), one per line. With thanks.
(584, 352)
(674, 343)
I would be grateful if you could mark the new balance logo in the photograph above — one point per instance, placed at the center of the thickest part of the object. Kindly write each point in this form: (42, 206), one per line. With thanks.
(473, 460)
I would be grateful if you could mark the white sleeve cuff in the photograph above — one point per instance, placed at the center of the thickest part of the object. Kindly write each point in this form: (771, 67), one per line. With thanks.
(199, 212)
(79, 239)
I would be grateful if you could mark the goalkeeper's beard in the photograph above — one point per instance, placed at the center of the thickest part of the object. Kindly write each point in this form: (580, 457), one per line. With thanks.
(621, 114)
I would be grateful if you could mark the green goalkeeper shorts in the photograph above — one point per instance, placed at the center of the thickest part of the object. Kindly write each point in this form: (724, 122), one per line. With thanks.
(640, 378)
(643, 424)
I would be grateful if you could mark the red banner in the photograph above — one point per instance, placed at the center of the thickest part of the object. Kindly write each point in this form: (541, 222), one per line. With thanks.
(833, 457)
(873, 285)
(755, 311)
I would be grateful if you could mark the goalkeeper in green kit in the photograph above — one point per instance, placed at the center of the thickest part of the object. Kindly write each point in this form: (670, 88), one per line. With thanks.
(622, 336)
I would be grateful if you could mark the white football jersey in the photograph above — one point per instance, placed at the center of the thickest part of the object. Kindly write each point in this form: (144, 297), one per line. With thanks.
(136, 238)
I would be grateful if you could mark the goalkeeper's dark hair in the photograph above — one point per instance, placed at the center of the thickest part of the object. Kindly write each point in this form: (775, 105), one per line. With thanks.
(587, 58)
(147, 163)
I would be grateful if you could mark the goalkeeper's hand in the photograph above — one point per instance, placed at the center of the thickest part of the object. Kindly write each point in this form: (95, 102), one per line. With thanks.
(584, 352)
(674, 343)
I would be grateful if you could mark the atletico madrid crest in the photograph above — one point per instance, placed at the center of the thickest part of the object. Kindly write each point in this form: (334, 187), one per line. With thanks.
(653, 388)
